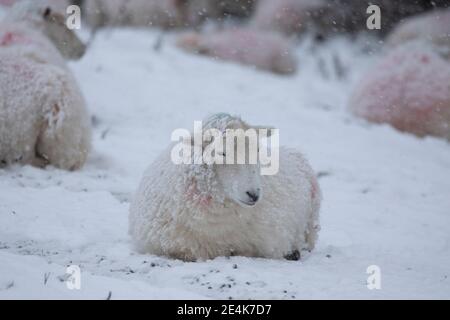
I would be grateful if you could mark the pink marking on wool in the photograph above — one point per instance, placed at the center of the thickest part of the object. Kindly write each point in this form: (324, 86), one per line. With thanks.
(205, 201)
(191, 190)
(26, 72)
(7, 3)
(10, 38)
(193, 194)
(425, 59)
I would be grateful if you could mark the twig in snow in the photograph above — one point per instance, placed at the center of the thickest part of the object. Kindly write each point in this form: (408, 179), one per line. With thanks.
(8, 286)
(322, 174)
(321, 64)
(46, 277)
(104, 134)
(339, 68)
(157, 46)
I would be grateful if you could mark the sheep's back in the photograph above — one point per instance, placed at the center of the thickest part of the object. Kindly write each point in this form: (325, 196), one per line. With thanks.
(291, 198)
(22, 88)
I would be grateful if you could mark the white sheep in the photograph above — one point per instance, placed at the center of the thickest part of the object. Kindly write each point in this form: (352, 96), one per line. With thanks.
(43, 119)
(196, 211)
(33, 29)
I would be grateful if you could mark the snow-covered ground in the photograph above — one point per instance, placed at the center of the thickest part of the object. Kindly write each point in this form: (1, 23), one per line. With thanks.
(386, 194)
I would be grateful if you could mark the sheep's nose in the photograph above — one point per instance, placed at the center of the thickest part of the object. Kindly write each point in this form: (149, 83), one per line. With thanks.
(254, 195)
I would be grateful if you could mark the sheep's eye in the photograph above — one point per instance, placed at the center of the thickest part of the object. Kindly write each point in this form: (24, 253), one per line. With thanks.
(47, 12)
(222, 154)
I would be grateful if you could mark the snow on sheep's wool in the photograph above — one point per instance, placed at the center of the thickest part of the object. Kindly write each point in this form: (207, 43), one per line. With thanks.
(182, 211)
(409, 89)
(43, 119)
(263, 50)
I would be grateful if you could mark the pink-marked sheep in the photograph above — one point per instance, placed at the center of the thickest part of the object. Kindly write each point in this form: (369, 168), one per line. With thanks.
(198, 211)
(263, 50)
(431, 27)
(158, 13)
(287, 16)
(43, 119)
(409, 89)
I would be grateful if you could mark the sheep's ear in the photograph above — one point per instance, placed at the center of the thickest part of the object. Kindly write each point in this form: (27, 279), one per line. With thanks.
(268, 128)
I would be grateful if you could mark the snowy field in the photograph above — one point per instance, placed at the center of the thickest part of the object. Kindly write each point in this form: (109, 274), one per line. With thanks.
(386, 194)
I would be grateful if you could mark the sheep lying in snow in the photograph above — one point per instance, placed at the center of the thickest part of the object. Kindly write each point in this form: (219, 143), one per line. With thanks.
(409, 89)
(43, 119)
(33, 29)
(263, 50)
(196, 211)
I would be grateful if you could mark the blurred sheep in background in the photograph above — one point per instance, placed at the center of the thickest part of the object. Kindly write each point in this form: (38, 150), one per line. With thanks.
(263, 50)
(408, 89)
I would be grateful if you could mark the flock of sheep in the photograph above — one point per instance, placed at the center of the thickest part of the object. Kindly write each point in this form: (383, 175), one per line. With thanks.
(199, 211)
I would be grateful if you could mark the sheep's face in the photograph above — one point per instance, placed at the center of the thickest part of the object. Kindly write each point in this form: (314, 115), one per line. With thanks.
(64, 39)
(235, 169)
(241, 183)
(240, 179)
